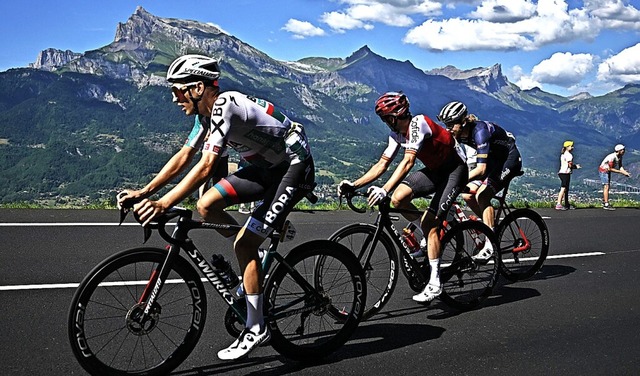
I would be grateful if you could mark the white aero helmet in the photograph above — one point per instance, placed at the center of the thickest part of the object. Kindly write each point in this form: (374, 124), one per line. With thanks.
(619, 147)
(189, 68)
(453, 113)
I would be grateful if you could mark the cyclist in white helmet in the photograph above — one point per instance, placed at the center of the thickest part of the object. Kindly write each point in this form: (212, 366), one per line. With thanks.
(280, 172)
(498, 160)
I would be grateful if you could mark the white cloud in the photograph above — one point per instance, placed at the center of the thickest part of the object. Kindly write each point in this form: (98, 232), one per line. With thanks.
(523, 25)
(615, 13)
(302, 29)
(563, 69)
(339, 22)
(360, 14)
(504, 10)
(457, 34)
(623, 67)
(522, 80)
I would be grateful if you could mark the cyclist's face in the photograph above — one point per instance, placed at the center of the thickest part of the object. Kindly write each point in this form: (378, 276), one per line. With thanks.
(455, 129)
(182, 96)
(391, 121)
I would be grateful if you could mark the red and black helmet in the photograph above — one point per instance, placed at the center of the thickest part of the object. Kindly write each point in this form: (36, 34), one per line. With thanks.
(392, 104)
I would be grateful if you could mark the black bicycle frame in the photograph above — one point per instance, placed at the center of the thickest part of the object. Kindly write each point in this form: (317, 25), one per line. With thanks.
(385, 221)
(180, 240)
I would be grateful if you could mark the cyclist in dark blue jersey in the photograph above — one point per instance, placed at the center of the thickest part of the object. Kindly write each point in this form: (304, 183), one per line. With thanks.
(498, 160)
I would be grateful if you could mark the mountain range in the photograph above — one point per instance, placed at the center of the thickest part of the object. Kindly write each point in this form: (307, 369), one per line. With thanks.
(79, 126)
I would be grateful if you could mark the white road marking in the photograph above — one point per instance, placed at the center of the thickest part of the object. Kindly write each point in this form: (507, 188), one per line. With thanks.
(130, 283)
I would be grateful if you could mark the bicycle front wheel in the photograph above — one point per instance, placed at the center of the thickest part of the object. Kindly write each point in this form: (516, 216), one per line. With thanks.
(467, 282)
(315, 300)
(106, 332)
(381, 268)
(524, 244)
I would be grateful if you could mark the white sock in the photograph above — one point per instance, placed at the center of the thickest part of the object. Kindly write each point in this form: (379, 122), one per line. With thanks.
(435, 272)
(255, 318)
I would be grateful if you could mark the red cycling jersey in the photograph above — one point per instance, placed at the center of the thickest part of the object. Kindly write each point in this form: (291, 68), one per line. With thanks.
(432, 144)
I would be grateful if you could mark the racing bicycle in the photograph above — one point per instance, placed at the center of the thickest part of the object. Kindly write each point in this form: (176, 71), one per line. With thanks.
(142, 311)
(380, 248)
(523, 237)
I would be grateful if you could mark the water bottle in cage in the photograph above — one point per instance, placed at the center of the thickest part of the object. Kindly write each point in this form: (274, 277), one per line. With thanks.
(409, 236)
(222, 266)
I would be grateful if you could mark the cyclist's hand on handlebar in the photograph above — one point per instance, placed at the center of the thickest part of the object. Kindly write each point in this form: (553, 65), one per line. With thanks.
(126, 199)
(376, 194)
(345, 187)
(146, 210)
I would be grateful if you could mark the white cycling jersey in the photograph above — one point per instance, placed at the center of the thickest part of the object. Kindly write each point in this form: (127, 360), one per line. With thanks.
(253, 127)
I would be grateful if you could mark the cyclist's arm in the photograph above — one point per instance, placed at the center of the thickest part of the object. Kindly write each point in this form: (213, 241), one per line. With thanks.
(482, 139)
(383, 164)
(478, 172)
(192, 181)
(374, 172)
(405, 165)
(171, 169)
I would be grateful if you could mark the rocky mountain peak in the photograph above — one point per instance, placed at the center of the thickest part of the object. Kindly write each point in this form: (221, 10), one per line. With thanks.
(51, 59)
(139, 25)
(494, 72)
(362, 53)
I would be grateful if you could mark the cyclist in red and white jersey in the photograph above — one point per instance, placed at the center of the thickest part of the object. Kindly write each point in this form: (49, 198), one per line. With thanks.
(445, 174)
(281, 173)
(611, 163)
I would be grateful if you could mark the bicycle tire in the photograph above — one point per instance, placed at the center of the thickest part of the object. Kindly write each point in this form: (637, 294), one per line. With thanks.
(382, 269)
(466, 282)
(303, 327)
(104, 336)
(523, 264)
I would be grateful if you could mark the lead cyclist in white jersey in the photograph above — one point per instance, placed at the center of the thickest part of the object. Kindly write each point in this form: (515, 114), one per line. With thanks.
(281, 173)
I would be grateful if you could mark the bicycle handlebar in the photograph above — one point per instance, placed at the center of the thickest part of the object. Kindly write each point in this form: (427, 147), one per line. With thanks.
(158, 222)
(349, 197)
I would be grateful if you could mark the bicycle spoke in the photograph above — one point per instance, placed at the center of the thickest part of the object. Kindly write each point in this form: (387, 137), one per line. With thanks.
(112, 325)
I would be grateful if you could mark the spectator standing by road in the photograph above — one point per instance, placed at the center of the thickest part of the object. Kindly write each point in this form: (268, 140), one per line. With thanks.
(566, 167)
(611, 163)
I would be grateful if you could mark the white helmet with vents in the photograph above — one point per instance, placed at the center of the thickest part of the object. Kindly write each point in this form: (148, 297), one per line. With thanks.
(452, 113)
(189, 68)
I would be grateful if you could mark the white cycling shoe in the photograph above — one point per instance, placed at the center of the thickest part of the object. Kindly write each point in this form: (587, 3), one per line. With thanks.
(246, 342)
(429, 293)
(485, 253)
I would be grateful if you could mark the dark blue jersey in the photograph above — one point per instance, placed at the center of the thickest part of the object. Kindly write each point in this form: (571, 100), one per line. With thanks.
(491, 141)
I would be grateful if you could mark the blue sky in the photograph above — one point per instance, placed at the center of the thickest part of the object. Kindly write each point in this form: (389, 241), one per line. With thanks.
(562, 46)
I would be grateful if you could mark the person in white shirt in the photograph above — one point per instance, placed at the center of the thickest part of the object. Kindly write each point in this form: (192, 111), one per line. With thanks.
(566, 167)
(611, 163)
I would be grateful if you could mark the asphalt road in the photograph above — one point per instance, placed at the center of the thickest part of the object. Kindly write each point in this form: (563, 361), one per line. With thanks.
(579, 316)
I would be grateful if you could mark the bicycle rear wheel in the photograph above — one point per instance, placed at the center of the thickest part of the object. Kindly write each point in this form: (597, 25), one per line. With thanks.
(382, 268)
(105, 332)
(308, 324)
(467, 282)
(524, 244)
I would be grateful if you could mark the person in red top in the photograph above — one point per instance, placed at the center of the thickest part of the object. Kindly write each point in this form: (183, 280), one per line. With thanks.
(445, 174)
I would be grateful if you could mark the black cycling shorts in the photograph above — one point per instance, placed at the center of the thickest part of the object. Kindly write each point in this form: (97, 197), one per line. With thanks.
(501, 171)
(280, 188)
(446, 184)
